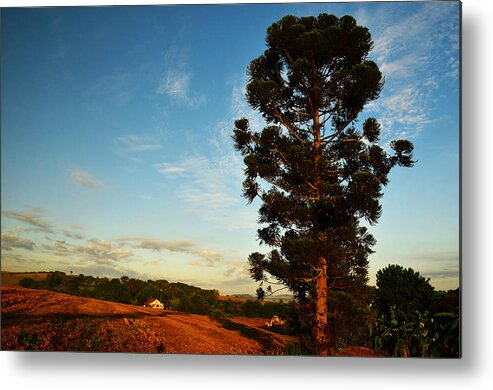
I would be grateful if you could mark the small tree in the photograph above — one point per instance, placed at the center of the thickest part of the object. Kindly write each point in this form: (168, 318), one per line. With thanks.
(315, 173)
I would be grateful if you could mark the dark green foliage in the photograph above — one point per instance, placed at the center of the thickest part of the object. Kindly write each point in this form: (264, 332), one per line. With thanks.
(417, 335)
(112, 290)
(404, 289)
(349, 316)
(411, 319)
(316, 174)
(54, 280)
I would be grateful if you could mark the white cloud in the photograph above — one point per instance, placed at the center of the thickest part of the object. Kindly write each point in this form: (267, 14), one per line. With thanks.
(175, 81)
(412, 56)
(170, 170)
(402, 67)
(205, 184)
(137, 143)
(85, 179)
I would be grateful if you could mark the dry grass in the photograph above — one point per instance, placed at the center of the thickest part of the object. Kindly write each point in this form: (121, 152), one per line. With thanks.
(47, 321)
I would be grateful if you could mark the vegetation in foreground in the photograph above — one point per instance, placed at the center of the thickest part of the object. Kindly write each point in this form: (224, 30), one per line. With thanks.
(403, 316)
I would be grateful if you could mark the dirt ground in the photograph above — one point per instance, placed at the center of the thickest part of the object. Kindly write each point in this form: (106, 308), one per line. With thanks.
(40, 320)
(47, 321)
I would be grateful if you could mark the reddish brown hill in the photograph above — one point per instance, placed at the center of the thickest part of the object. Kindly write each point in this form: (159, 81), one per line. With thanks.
(48, 321)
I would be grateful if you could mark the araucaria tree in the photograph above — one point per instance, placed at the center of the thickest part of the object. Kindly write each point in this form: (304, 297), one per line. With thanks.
(316, 174)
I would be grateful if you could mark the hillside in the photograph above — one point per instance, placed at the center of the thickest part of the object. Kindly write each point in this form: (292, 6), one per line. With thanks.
(48, 321)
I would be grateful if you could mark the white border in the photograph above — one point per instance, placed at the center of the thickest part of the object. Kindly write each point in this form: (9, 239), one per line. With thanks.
(136, 371)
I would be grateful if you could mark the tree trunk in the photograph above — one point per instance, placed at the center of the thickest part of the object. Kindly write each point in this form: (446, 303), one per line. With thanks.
(321, 329)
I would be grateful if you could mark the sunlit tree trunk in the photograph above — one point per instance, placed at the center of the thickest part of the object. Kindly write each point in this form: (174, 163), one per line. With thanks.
(321, 330)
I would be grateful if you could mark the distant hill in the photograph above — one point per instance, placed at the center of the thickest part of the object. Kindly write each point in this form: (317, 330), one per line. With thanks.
(14, 277)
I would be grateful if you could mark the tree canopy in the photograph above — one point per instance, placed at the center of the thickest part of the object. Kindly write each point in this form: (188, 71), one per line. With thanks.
(404, 289)
(316, 174)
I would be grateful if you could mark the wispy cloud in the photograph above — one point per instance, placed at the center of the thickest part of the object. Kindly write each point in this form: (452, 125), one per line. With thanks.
(57, 248)
(101, 251)
(171, 170)
(148, 197)
(403, 113)
(137, 143)
(158, 245)
(205, 184)
(175, 81)
(31, 218)
(430, 32)
(189, 247)
(116, 88)
(70, 234)
(211, 186)
(11, 241)
(85, 179)
(75, 226)
(410, 55)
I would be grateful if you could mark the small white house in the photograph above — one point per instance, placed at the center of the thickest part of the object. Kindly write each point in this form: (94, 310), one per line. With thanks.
(154, 303)
(275, 321)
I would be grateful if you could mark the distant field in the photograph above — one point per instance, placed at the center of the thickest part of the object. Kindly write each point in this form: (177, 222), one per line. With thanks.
(13, 278)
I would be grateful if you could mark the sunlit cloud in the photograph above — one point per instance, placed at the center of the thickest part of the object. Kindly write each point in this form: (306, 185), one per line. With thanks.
(70, 234)
(58, 248)
(101, 251)
(11, 241)
(172, 246)
(85, 179)
(31, 218)
(189, 247)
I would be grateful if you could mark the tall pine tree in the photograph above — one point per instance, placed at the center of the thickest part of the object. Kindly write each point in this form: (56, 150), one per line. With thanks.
(315, 173)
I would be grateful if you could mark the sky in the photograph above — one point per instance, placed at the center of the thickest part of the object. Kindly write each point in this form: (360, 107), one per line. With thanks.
(116, 150)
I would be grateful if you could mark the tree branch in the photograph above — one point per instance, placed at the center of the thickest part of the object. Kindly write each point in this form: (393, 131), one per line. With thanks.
(281, 119)
(309, 280)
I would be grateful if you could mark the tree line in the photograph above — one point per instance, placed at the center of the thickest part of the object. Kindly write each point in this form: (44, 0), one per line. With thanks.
(174, 295)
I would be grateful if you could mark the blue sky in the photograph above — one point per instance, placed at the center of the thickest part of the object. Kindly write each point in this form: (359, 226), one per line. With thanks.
(116, 151)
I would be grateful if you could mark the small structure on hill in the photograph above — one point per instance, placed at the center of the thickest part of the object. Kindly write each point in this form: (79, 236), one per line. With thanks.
(275, 321)
(154, 303)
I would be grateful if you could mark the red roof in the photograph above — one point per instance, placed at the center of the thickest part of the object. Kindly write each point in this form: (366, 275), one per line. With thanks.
(150, 300)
